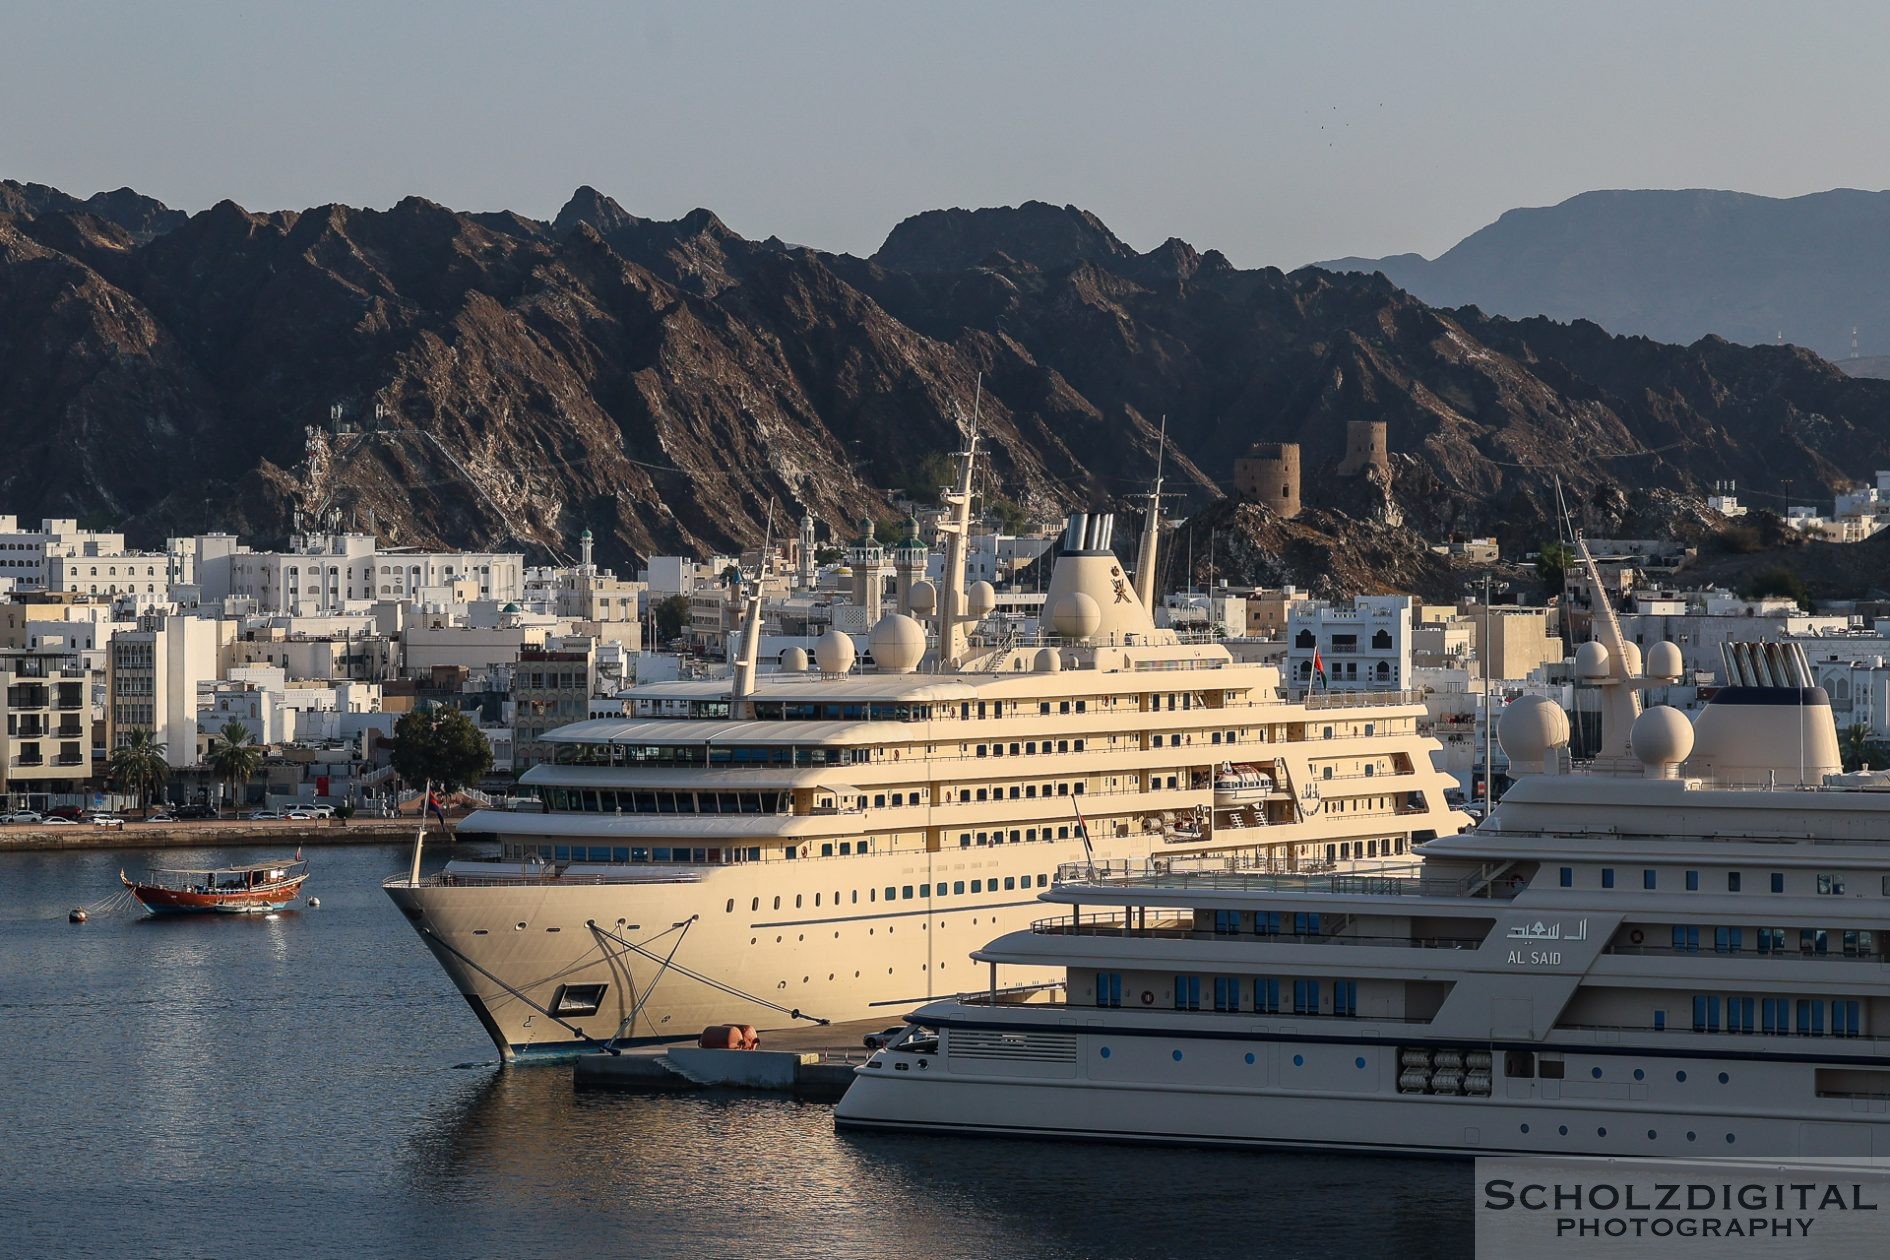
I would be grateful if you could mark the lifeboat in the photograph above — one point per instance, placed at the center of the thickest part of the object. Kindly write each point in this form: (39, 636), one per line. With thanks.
(1236, 785)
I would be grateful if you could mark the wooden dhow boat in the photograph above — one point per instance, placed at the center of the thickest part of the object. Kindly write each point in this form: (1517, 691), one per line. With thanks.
(253, 889)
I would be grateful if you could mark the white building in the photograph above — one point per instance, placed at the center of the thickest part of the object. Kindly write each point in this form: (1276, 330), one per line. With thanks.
(152, 676)
(24, 552)
(1365, 646)
(324, 573)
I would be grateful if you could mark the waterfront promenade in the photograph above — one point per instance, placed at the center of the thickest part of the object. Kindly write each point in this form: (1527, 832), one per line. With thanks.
(212, 833)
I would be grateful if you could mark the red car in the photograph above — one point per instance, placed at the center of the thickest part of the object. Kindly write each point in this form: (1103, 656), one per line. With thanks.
(71, 813)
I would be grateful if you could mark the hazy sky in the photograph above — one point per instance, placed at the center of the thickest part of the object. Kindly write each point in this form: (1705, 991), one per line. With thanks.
(1278, 133)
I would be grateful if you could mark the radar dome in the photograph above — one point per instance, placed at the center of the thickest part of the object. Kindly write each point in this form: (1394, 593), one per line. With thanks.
(1076, 615)
(1631, 657)
(897, 643)
(1049, 661)
(1663, 661)
(1661, 738)
(924, 597)
(981, 599)
(834, 652)
(1591, 661)
(794, 660)
(1529, 728)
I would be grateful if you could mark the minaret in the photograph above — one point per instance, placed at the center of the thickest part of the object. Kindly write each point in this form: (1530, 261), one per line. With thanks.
(584, 551)
(807, 551)
(866, 557)
(1151, 527)
(908, 565)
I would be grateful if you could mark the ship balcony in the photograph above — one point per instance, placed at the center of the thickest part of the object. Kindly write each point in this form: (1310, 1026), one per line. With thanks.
(1007, 998)
(1182, 876)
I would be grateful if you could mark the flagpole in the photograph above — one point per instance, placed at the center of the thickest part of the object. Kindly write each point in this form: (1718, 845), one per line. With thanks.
(420, 835)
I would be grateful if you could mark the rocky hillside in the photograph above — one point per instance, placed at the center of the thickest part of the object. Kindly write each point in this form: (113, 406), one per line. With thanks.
(503, 381)
(1677, 265)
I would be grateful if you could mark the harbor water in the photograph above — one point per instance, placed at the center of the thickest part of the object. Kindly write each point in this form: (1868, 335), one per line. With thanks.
(307, 1084)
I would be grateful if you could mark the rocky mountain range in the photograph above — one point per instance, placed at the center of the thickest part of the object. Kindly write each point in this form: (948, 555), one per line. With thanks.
(1677, 265)
(488, 379)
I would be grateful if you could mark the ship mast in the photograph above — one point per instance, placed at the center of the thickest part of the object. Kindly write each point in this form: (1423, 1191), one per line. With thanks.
(952, 616)
(741, 703)
(1145, 554)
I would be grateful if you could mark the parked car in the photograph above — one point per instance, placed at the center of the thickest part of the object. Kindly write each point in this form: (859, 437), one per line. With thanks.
(161, 816)
(23, 816)
(106, 820)
(71, 813)
(299, 815)
(195, 811)
(57, 820)
(266, 815)
(884, 1037)
(319, 811)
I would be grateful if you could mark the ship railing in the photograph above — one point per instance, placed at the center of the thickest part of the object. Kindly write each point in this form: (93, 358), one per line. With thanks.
(984, 999)
(1234, 875)
(551, 876)
(1355, 699)
(1747, 953)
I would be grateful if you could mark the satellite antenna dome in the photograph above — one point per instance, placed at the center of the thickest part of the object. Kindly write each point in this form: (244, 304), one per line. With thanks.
(1661, 738)
(834, 652)
(794, 660)
(1049, 661)
(981, 599)
(1664, 661)
(897, 643)
(1077, 615)
(924, 597)
(1529, 728)
(1591, 661)
(1631, 657)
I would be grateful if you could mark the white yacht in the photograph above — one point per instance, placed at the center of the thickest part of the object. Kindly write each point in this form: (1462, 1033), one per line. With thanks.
(1676, 951)
(831, 842)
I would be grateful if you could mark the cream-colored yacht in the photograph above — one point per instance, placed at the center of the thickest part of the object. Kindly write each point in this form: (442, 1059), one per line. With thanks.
(831, 841)
(1677, 950)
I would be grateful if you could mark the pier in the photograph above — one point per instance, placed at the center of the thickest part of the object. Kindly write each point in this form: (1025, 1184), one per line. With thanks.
(813, 1064)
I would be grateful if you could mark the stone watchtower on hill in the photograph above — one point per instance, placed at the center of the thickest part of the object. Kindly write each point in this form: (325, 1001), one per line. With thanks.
(1366, 446)
(1269, 473)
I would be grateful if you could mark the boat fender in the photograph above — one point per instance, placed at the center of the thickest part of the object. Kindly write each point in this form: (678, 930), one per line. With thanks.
(314, 903)
(1636, 936)
(1148, 999)
(77, 916)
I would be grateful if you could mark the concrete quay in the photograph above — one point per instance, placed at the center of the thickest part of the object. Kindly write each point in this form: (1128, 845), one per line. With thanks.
(815, 1064)
(212, 833)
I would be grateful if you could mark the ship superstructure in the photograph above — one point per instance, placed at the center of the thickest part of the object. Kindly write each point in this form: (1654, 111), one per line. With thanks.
(832, 840)
(1676, 950)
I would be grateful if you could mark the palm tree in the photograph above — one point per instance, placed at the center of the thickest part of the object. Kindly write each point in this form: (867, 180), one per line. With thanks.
(234, 755)
(139, 765)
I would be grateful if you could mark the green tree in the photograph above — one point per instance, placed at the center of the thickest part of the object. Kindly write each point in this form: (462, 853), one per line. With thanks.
(1552, 565)
(1779, 581)
(235, 757)
(139, 765)
(672, 615)
(441, 747)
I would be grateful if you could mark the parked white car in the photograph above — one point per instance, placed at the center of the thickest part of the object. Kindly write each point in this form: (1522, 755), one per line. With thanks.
(22, 816)
(56, 821)
(106, 820)
(299, 815)
(318, 811)
(265, 815)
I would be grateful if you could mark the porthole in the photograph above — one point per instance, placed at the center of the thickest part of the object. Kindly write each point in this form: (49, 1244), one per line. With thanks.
(1681, 1077)
(1723, 1078)
(1639, 1074)
(518, 927)
(1359, 1062)
(1651, 1135)
(1729, 1139)
(479, 931)
(1691, 1135)
(1250, 1057)
(1177, 1056)
(1105, 1052)
(1525, 1128)
(1601, 1133)
(1596, 1072)
(1299, 1060)
(1562, 1129)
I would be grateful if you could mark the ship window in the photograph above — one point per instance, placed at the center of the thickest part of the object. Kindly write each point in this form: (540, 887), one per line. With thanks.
(977, 885)
(730, 907)
(754, 903)
(964, 839)
(1328, 772)
(1187, 993)
(1521, 1064)
(1728, 940)
(1859, 944)
(1660, 1020)
(1345, 997)
(1266, 996)
(981, 750)
(1226, 993)
(1778, 882)
(907, 892)
(826, 849)
(1305, 997)
(1732, 881)
(1010, 883)
(1108, 988)
(1043, 881)
(925, 891)
(1831, 885)
(777, 903)
(1693, 881)
(1813, 941)
(892, 894)
(1686, 940)
(1647, 878)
